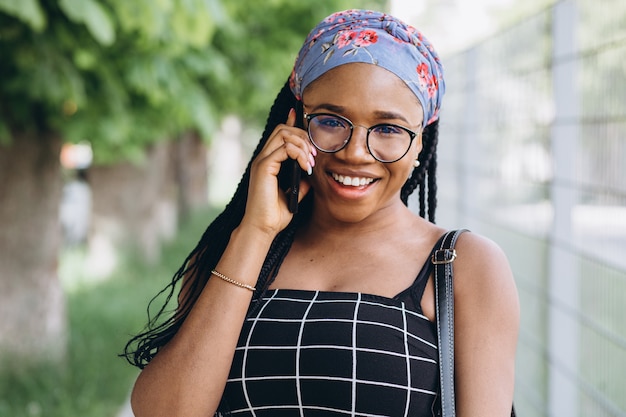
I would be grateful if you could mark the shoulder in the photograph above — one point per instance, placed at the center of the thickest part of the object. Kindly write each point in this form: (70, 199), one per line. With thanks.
(481, 257)
(486, 318)
(482, 274)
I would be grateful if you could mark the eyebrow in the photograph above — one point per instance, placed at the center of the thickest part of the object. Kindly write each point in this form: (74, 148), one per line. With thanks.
(379, 114)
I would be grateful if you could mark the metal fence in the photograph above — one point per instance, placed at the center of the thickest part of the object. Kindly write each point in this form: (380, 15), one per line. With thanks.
(533, 155)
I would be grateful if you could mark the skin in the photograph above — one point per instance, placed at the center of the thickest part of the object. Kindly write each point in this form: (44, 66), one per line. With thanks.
(360, 239)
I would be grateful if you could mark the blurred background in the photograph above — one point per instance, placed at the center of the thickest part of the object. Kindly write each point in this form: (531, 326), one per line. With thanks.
(126, 124)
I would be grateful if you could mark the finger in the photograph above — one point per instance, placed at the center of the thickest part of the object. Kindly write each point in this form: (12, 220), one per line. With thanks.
(291, 118)
(284, 133)
(307, 159)
(305, 187)
(303, 156)
(288, 141)
(291, 146)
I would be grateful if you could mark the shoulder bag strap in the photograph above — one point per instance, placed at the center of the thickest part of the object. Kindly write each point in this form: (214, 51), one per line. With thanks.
(442, 258)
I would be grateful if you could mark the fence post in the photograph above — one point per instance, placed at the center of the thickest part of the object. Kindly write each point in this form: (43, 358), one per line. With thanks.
(468, 154)
(563, 285)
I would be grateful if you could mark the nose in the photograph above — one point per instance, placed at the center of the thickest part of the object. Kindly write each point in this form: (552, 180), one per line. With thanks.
(356, 149)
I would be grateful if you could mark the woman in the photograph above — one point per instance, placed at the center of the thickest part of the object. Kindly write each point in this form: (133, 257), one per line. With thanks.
(331, 311)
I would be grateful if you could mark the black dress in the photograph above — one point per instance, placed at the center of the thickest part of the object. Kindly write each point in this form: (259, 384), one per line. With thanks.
(316, 353)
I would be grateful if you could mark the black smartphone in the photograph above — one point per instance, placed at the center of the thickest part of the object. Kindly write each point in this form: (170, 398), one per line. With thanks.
(290, 172)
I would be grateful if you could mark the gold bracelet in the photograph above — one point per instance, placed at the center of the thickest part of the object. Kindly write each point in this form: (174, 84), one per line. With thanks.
(232, 281)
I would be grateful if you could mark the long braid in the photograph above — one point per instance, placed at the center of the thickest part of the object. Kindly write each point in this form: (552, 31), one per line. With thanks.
(424, 176)
(203, 258)
(432, 172)
(422, 198)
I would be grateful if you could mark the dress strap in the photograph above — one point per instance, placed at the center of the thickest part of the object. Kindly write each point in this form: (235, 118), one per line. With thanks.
(412, 296)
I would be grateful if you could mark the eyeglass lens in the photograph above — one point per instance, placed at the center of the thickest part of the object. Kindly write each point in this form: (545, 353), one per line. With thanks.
(386, 142)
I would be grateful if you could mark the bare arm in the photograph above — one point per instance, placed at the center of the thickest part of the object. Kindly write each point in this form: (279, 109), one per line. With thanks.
(188, 375)
(486, 329)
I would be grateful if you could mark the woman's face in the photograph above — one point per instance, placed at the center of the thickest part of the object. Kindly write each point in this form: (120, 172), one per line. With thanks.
(366, 95)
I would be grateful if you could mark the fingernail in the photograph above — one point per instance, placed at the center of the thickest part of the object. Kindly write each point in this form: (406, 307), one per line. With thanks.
(312, 160)
(314, 151)
(309, 170)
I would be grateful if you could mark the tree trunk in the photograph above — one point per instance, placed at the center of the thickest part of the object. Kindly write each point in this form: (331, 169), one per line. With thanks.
(134, 205)
(32, 304)
(191, 173)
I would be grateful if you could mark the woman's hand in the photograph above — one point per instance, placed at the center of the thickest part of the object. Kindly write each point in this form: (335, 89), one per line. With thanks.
(266, 208)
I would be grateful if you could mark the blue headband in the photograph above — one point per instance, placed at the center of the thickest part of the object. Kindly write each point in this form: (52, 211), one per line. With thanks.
(374, 38)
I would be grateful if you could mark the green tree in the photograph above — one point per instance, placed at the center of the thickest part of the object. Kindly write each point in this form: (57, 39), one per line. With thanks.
(119, 74)
(129, 77)
(264, 45)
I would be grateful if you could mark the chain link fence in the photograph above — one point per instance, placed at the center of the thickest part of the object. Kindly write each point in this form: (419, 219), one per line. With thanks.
(533, 155)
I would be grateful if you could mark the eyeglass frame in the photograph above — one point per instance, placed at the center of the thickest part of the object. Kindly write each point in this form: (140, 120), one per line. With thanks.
(411, 133)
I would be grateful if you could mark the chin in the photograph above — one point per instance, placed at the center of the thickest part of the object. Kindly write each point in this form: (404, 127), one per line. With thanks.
(347, 213)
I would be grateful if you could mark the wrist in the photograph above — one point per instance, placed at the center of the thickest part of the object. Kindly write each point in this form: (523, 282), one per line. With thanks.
(258, 238)
(260, 235)
(244, 255)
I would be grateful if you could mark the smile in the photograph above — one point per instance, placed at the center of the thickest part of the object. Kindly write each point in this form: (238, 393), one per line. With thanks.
(352, 181)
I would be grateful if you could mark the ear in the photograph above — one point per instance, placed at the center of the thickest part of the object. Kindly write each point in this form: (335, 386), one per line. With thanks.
(418, 142)
(417, 146)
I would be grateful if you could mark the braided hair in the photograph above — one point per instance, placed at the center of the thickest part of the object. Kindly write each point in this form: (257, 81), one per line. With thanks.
(424, 176)
(205, 256)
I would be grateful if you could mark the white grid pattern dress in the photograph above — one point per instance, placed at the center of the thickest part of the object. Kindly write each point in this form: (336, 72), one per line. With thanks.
(315, 353)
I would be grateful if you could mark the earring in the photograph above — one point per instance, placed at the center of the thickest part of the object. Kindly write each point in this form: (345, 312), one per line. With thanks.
(416, 163)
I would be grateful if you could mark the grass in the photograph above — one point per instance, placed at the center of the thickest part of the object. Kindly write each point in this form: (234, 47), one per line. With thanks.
(94, 381)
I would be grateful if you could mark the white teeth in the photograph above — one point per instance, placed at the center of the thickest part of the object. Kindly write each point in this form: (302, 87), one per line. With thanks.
(352, 181)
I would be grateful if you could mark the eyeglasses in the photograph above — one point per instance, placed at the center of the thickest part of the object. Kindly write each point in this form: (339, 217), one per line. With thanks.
(386, 142)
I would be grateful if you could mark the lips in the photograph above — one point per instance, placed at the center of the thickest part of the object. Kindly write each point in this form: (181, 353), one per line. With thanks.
(352, 181)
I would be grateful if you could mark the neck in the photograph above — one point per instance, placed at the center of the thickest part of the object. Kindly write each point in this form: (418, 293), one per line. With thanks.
(388, 220)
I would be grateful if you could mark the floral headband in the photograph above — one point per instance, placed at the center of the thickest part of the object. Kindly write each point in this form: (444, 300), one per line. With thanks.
(375, 38)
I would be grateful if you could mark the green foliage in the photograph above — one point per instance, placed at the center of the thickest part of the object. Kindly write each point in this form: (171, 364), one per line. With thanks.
(94, 381)
(264, 45)
(119, 74)
(27, 11)
(95, 17)
(5, 135)
(122, 74)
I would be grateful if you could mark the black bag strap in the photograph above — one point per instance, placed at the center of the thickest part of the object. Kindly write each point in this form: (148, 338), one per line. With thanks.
(442, 258)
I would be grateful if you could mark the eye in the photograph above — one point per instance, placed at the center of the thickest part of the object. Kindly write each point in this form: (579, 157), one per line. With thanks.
(388, 130)
(330, 122)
